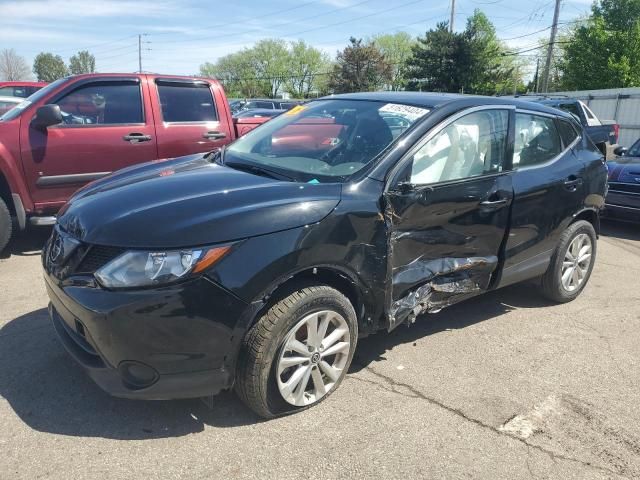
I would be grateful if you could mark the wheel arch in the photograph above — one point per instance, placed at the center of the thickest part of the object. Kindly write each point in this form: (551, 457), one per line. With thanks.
(332, 276)
(590, 215)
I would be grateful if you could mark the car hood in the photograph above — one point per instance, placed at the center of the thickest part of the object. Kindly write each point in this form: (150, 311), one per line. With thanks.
(190, 202)
(624, 170)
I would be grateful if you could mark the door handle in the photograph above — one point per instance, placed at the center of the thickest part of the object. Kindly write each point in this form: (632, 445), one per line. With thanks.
(572, 183)
(214, 135)
(494, 203)
(136, 138)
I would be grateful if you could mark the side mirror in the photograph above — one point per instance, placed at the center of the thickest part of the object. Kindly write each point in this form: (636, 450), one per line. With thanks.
(621, 151)
(46, 116)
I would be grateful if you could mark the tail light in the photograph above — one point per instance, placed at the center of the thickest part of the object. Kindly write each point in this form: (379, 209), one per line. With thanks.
(616, 132)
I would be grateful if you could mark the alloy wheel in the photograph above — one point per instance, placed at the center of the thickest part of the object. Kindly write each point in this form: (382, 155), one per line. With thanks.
(313, 357)
(577, 261)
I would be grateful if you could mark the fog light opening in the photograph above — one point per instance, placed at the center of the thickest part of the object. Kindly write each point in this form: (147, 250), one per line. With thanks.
(136, 375)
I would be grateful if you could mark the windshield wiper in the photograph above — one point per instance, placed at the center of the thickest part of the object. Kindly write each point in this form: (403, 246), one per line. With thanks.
(259, 170)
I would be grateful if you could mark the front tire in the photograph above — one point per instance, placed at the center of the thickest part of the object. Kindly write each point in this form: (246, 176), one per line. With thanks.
(298, 352)
(571, 264)
(6, 225)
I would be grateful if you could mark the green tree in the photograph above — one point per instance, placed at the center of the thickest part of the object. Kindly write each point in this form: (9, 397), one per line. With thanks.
(437, 61)
(396, 49)
(307, 69)
(489, 70)
(270, 59)
(471, 61)
(237, 75)
(82, 62)
(604, 52)
(49, 67)
(359, 67)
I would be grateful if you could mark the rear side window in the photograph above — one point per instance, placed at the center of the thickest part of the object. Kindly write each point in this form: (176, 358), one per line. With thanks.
(567, 132)
(14, 92)
(186, 102)
(102, 103)
(571, 108)
(537, 140)
(268, 105)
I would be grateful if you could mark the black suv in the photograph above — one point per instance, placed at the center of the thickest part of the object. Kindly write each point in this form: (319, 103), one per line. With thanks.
(259, 266)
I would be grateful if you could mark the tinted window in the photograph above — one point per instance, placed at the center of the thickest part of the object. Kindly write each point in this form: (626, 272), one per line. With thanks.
(567, 132)
(537, 140)
(186, 102)
(14, 92)
(259, 104)
(470, 146)
(102, 103)
(571, 108)
(634, 151)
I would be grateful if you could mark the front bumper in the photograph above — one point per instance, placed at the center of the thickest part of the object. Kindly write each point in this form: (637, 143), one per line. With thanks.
(168, 343)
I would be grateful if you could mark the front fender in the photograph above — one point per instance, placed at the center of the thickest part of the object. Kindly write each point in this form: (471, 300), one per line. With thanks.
(11, 171)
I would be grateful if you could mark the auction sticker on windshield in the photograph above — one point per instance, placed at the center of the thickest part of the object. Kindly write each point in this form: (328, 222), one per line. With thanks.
(409, 112)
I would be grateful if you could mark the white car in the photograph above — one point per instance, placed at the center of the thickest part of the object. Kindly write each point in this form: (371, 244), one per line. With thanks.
(7, 103)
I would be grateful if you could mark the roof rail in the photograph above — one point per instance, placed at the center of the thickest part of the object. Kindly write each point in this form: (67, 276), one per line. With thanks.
(537, 95)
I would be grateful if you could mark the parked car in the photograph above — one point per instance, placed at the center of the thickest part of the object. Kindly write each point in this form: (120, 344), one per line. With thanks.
(623, 198)
(604, 133)
(259, 266)
(7, 103)
(259, 112)
(20, 89)
(81, 128)
(238, 106)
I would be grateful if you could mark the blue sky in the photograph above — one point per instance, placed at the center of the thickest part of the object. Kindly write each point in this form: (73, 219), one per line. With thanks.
(182, 34)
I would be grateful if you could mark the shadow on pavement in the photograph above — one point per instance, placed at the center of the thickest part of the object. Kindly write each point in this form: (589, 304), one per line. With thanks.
(477, 310)
(27, 243)
(622, 230)
(50, 393)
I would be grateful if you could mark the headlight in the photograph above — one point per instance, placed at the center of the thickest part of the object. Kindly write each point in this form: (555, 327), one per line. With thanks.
(142, 269)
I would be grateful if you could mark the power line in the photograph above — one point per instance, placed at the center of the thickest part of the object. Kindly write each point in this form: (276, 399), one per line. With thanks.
(238, 22)
(254, 30)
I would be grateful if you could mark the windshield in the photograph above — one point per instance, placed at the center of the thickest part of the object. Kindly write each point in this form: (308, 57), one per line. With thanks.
(17, 110)
(324, 141)
(634, 151)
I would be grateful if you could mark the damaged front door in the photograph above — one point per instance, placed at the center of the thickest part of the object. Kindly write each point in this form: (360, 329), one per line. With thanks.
(447, 210)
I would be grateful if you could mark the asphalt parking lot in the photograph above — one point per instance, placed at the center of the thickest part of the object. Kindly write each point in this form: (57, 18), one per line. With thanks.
(503, 386)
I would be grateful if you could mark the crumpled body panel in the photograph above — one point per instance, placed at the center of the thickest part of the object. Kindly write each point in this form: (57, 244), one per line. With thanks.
(448, 278)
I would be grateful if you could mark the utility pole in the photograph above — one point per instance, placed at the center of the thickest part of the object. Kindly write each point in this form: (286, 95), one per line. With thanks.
(552, 41)
(140, 43)
(140, 53)
(453, 15)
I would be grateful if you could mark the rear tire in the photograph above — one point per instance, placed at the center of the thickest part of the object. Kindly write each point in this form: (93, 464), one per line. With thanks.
(571, 264)
(284, 367)
(6, 225)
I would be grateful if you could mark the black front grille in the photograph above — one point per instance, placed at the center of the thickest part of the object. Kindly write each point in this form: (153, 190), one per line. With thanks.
(97, 257)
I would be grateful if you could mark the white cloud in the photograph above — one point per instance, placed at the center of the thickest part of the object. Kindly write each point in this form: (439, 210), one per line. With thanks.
(22, 34)
(69, 9)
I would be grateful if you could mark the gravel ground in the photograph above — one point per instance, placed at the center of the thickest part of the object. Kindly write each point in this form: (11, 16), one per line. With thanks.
(502, 386)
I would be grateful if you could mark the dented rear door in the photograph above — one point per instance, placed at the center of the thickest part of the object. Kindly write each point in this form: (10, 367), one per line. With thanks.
(447, 211)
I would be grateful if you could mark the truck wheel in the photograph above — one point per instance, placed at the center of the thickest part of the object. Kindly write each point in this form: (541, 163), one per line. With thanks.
(571, 264)
(6, 225)
(298, 352)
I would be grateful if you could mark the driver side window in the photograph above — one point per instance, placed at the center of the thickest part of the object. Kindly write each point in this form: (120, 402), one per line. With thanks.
(471, 146)
(102, 103)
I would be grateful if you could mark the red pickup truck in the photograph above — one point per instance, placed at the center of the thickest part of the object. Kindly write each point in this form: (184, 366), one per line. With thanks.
(81, 128)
